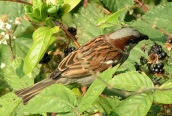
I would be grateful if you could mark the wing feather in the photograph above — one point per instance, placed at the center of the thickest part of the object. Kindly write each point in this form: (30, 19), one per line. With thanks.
(93, 56)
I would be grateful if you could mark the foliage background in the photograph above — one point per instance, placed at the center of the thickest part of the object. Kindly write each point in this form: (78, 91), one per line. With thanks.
(97, 18)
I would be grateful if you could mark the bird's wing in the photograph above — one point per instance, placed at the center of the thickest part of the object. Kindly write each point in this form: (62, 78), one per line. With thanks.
(96, 55)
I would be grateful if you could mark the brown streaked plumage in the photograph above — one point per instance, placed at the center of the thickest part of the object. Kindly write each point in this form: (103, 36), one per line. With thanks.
(97, 55)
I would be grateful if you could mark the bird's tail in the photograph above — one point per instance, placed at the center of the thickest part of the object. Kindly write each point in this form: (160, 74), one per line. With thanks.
(28, 93)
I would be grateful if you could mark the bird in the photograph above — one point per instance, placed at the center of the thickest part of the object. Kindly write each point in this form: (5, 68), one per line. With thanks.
(97, 55)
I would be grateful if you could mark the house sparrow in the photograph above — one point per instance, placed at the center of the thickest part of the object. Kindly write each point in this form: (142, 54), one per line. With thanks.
(97, 55)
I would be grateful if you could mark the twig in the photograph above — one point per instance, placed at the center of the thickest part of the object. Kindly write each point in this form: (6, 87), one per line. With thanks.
(67, 33)
(142, 5)
(19, 1)
(141, 91)
(85, 3)
(11, 48)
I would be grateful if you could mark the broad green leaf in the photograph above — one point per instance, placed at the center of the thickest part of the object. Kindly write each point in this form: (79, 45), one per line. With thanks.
(160, 17)
(22, 46)
(39, 47)
(164, 96)
(25, 30)
(136, 105)
(86, 22)
(110, 4)
(170, 65)
(67, 114)
(112, 19)
(37, 12)
(96, 89)
(37, 35)
(5, 53)
(14, 75)
(131, 81)
(103, 105)
(56, 98)
(114, 5)
(8, 104)
(70, 4)
(13, 10)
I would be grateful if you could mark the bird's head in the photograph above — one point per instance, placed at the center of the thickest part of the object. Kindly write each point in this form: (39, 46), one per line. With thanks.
(126, 38)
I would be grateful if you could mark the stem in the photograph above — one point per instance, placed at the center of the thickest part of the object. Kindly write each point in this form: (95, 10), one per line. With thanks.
(85, 3)
(67, 33)
(11, 47)
(19, 1)
(142, 5)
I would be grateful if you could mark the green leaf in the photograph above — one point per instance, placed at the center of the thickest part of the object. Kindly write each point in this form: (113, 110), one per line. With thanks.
(37, 12)
(170, 65)
(164, 96)
(14, 75)
(131, 81)
(114, 5)
(56, 98)
(13, 10)
(160, 17)
(112, 19)
(22, 46)
(39, 47)
(103, 105)
(69, 5)
(25, 30)
(137, 105)
(9, 104)
(96, 89)
(86, 21)
(5, 53)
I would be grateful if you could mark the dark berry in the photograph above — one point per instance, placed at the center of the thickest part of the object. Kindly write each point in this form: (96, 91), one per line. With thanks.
(67, 51)
(46, 58)
(155, 66)
(161, 70)
(143, 60)
(137, 66)
(72, 30)
(151, 69)
(164, 54)
(71, 49)
(160, 65)
(156, 70)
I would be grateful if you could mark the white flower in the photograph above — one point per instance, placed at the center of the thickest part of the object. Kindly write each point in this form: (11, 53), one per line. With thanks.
(2, 33)
(6, 36)
(18, 21)
(1, 24)
(3, 65)
(3, 41)
(8, 26)
(14, 37)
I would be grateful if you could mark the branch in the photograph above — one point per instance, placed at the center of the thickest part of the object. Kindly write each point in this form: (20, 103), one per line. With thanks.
(67, 33)
(142, 5)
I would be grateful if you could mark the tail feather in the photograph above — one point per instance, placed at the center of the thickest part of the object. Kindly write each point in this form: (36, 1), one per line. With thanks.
(28, 93)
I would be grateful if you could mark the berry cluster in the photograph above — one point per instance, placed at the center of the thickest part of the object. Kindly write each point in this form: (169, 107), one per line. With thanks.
(156, 68)
(67, 51)
(157, 49)
(72, 30)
